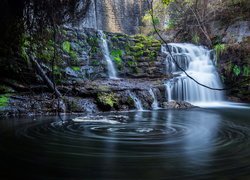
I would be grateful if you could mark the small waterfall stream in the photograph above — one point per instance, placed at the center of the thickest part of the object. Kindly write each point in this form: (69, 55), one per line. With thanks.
(105, 50)
(137, 101)
(169, 87)
(155, 104)
(197, 61)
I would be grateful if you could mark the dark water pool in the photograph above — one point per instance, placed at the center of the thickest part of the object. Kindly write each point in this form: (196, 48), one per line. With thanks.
(166, 144)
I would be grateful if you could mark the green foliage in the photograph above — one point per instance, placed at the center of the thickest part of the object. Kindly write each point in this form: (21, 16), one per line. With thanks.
(219, 49)
(236, 70)
(4, 100)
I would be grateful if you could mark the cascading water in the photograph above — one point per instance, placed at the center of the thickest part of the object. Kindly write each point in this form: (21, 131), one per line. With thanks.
(137, 101)
(169, 87)
(105, 50)
(155, 104)
(197, 62)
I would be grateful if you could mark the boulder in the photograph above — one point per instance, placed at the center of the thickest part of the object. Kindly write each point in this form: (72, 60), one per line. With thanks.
(177, 105)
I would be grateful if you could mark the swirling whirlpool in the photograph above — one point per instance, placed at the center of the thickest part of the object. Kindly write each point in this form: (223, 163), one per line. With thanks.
(195, 144)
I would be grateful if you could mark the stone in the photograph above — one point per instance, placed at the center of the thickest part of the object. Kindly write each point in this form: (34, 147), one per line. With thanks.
(177, 105)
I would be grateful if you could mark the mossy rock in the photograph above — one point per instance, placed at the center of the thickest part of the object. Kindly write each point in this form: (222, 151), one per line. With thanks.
(4, 100)
(107, 101)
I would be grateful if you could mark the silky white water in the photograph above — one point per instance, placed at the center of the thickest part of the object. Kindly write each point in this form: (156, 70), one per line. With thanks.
(197, 62)
(155, 104)
(105, 50)
(137, 101)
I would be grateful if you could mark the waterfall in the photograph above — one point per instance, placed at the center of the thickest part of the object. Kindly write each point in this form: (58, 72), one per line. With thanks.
(155, 104)
(169, 87)
(137, 101)
(90, 18)
(105, 50)
(197, 62)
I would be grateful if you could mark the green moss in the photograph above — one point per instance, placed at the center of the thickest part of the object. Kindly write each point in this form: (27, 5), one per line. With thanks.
(4, 100)
(24, 45)
(73, 55)
(132, 63)
(95, 63)
(107, 99)
(219, 49)
(76, 68)
(93, 41)
(236, 70)
(138, 46)
(116, 55)
(66, 46)
(246, 71)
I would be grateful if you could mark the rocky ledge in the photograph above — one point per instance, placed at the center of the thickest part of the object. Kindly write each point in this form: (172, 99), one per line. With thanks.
(94, 96)
(177, 105)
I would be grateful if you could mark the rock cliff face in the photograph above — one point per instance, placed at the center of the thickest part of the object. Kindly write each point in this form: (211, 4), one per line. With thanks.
(234, 59)
(115, 15)
(81, 75)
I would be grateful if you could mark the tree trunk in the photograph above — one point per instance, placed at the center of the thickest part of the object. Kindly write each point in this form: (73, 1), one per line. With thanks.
(45, 78)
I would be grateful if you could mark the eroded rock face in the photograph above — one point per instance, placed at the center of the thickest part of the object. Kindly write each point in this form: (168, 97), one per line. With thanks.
(234, 67)
(122, 16)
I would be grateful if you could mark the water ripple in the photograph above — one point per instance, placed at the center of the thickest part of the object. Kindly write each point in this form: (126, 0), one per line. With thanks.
(208, 142)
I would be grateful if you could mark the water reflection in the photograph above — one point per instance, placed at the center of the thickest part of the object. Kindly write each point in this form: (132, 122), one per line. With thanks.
(198, 146)
(183, 144)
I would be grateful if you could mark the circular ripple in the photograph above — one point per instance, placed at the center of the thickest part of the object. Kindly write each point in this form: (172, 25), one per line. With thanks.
(211, 144)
